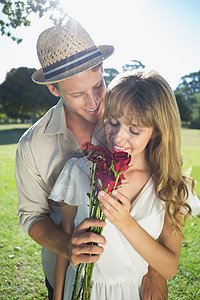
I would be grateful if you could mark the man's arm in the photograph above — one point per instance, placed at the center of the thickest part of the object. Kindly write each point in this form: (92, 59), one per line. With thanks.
(49, 236)
(34, 212)
(154, 286)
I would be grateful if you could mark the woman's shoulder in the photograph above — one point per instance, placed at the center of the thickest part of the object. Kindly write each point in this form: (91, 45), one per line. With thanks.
(76, 163)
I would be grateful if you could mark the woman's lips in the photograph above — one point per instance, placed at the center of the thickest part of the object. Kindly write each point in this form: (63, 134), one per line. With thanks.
(119, 148)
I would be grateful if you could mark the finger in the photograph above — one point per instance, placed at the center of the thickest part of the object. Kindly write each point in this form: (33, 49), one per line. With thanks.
(109, 213)
(87, 223)
(123, 199)
(75, 260)
(87, 237)
(85, 253)
(110, 203)
(87, 249)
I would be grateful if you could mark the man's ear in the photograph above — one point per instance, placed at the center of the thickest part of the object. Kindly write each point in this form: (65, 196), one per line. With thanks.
(53, 90)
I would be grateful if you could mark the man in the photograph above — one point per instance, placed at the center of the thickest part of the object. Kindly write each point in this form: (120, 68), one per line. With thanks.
(71, 69)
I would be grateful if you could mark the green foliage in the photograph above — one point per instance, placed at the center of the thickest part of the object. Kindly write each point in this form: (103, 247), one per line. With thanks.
(132, 65)
(16, 13)
(109, 74)
(184, 108)
(21, 275)
(23, 99)
(195, 123)
(188, 99)
(190, 84)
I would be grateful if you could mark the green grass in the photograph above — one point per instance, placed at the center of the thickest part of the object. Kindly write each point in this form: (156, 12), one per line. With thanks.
(191, 149)
(21, 275)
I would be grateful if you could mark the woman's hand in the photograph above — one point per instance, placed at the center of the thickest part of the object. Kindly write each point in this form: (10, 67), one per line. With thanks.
(115, 208)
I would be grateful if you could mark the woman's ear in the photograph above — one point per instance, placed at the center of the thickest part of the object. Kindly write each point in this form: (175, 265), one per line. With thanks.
(53, 90)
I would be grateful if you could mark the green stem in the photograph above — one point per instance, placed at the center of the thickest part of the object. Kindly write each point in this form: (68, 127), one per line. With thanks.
(77, 277)
(116, 181)
(96, 213)
(91, 271)
(91, 186)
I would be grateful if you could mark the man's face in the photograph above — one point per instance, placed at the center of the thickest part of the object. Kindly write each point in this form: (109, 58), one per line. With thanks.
(83, 95)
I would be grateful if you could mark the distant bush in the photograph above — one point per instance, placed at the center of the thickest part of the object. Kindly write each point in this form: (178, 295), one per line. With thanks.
(195, 124)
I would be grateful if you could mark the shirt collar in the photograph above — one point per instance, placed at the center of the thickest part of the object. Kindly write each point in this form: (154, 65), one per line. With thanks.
(57, 125)
(57, 122)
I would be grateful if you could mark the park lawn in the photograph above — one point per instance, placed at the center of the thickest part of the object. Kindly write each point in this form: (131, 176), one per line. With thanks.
(191, 150)
(21, 275)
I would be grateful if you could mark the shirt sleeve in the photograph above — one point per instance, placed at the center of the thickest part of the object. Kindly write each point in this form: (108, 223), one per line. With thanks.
(72, 185)
(32, 191)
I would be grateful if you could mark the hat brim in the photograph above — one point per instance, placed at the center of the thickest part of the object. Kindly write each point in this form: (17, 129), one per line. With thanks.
(106, 50)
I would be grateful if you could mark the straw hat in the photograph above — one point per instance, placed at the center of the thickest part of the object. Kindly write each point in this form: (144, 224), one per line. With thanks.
(64, 51)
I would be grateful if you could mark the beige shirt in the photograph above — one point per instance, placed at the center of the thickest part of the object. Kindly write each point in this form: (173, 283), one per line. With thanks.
(41, 154)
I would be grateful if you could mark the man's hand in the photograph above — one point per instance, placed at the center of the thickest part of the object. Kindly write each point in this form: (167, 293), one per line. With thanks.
(154, 286)
(81, 249)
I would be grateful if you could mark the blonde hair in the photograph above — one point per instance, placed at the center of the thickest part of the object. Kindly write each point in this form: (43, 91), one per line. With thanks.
(150, 99)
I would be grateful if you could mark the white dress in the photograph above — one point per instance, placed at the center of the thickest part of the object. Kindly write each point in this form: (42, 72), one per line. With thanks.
(118, 273)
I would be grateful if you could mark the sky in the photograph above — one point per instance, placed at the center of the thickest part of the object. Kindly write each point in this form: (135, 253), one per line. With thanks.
(162, 35)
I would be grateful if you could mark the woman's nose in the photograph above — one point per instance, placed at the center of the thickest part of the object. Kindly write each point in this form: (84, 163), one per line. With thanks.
(121, 136)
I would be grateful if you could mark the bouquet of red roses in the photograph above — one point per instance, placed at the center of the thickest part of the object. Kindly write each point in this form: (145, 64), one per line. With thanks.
(106, 173)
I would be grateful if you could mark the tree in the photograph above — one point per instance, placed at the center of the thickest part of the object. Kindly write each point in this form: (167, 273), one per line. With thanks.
(190, 89)
(20, 98)
(16, 13)
(190, 84)
(185, 109)
(109, 74)
(132, 65)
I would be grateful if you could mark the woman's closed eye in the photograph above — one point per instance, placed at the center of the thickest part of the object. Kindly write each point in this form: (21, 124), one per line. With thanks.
(113, 122)
(134, 132)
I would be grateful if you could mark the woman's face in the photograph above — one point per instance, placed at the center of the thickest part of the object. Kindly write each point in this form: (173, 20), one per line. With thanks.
(131, 138)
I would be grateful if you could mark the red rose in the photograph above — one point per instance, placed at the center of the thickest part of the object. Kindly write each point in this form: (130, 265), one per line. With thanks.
(105, 177)
(101, 156)
(112, 183)
(87, 146)
(108, 180)
(121, 161)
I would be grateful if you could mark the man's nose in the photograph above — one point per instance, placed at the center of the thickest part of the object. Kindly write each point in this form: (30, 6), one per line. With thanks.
(91, 99)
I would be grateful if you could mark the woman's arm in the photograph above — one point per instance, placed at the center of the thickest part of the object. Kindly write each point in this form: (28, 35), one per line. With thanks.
(68, 215)
(163, 256)
(60, 272)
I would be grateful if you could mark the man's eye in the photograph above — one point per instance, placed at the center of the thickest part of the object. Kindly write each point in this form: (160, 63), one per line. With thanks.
(98, 85)
(76, 95)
